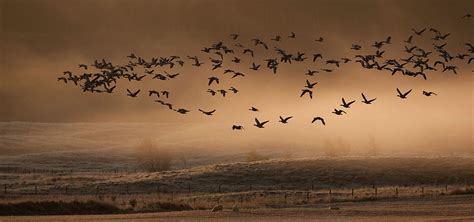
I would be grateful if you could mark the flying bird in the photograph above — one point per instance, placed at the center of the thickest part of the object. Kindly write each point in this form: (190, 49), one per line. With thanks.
(304, 91)
(132, 94)
(338, 112)
(255, 66)
(208, 113)
(181, 110)
(346, 104)
(285, 120)
(367, 101)
(213, 79)
(320, 119)
(310, 85)
(259, 124)
(253, 109)
(429, 93)
(151, 92)
(233, 89)
(403, 95)
(237, 127)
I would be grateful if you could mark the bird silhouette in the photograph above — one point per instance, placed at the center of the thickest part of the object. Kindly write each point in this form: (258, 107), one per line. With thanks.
(165, 93)
(169, 105)
(213, 79)
(338, 112)
(320, 119)
(403, 95)
(311, 72)
(429, 93)
(172, 76)
(304, 91)
(346, 104)
(253, 109)
(236, 74)
(181, 110)
(222, 92)
(132, 94)
(212, 92)
(284, 120)
(248, 51)
(419, 32)
(259, 124)
(233, 89)
(320, 39)
(356, 47)
(208, 113)
(277, 38)
(310, 85)
(237, 127)
(316, 56)
(367, 101)
(151, 92)
(255, 66)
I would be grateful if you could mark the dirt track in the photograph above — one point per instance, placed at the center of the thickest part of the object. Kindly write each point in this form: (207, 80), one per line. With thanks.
(427, 209)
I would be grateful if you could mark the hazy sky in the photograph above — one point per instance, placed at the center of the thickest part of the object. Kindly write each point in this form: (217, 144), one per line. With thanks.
(40, 39)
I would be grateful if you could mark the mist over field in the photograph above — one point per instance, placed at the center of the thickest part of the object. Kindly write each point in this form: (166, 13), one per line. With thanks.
(115, 145)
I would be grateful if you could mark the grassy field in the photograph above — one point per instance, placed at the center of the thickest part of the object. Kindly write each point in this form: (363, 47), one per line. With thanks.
(80, 169)
(442, 208)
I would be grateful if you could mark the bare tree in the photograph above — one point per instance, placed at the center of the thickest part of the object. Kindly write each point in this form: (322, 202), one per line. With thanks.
(153, 158)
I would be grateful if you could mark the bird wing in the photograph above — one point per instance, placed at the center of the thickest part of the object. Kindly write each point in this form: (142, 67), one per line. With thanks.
(409, 91)
(363, 96)
(257, 122)
(302, 94)
(400, 93)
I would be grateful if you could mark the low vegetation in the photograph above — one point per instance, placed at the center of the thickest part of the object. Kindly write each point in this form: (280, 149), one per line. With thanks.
(465, 191)
(58, 208)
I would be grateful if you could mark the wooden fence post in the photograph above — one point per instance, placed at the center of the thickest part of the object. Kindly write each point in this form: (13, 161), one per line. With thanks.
(312, 186)
(352, 193)
(446, 188)
(422, 191)
(396, 192)
(330, 194)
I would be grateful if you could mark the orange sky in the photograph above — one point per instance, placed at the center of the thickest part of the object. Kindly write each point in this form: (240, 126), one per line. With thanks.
(41, 39)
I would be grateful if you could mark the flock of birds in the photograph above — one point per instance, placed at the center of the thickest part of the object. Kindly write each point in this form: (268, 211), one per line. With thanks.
(417, 63)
